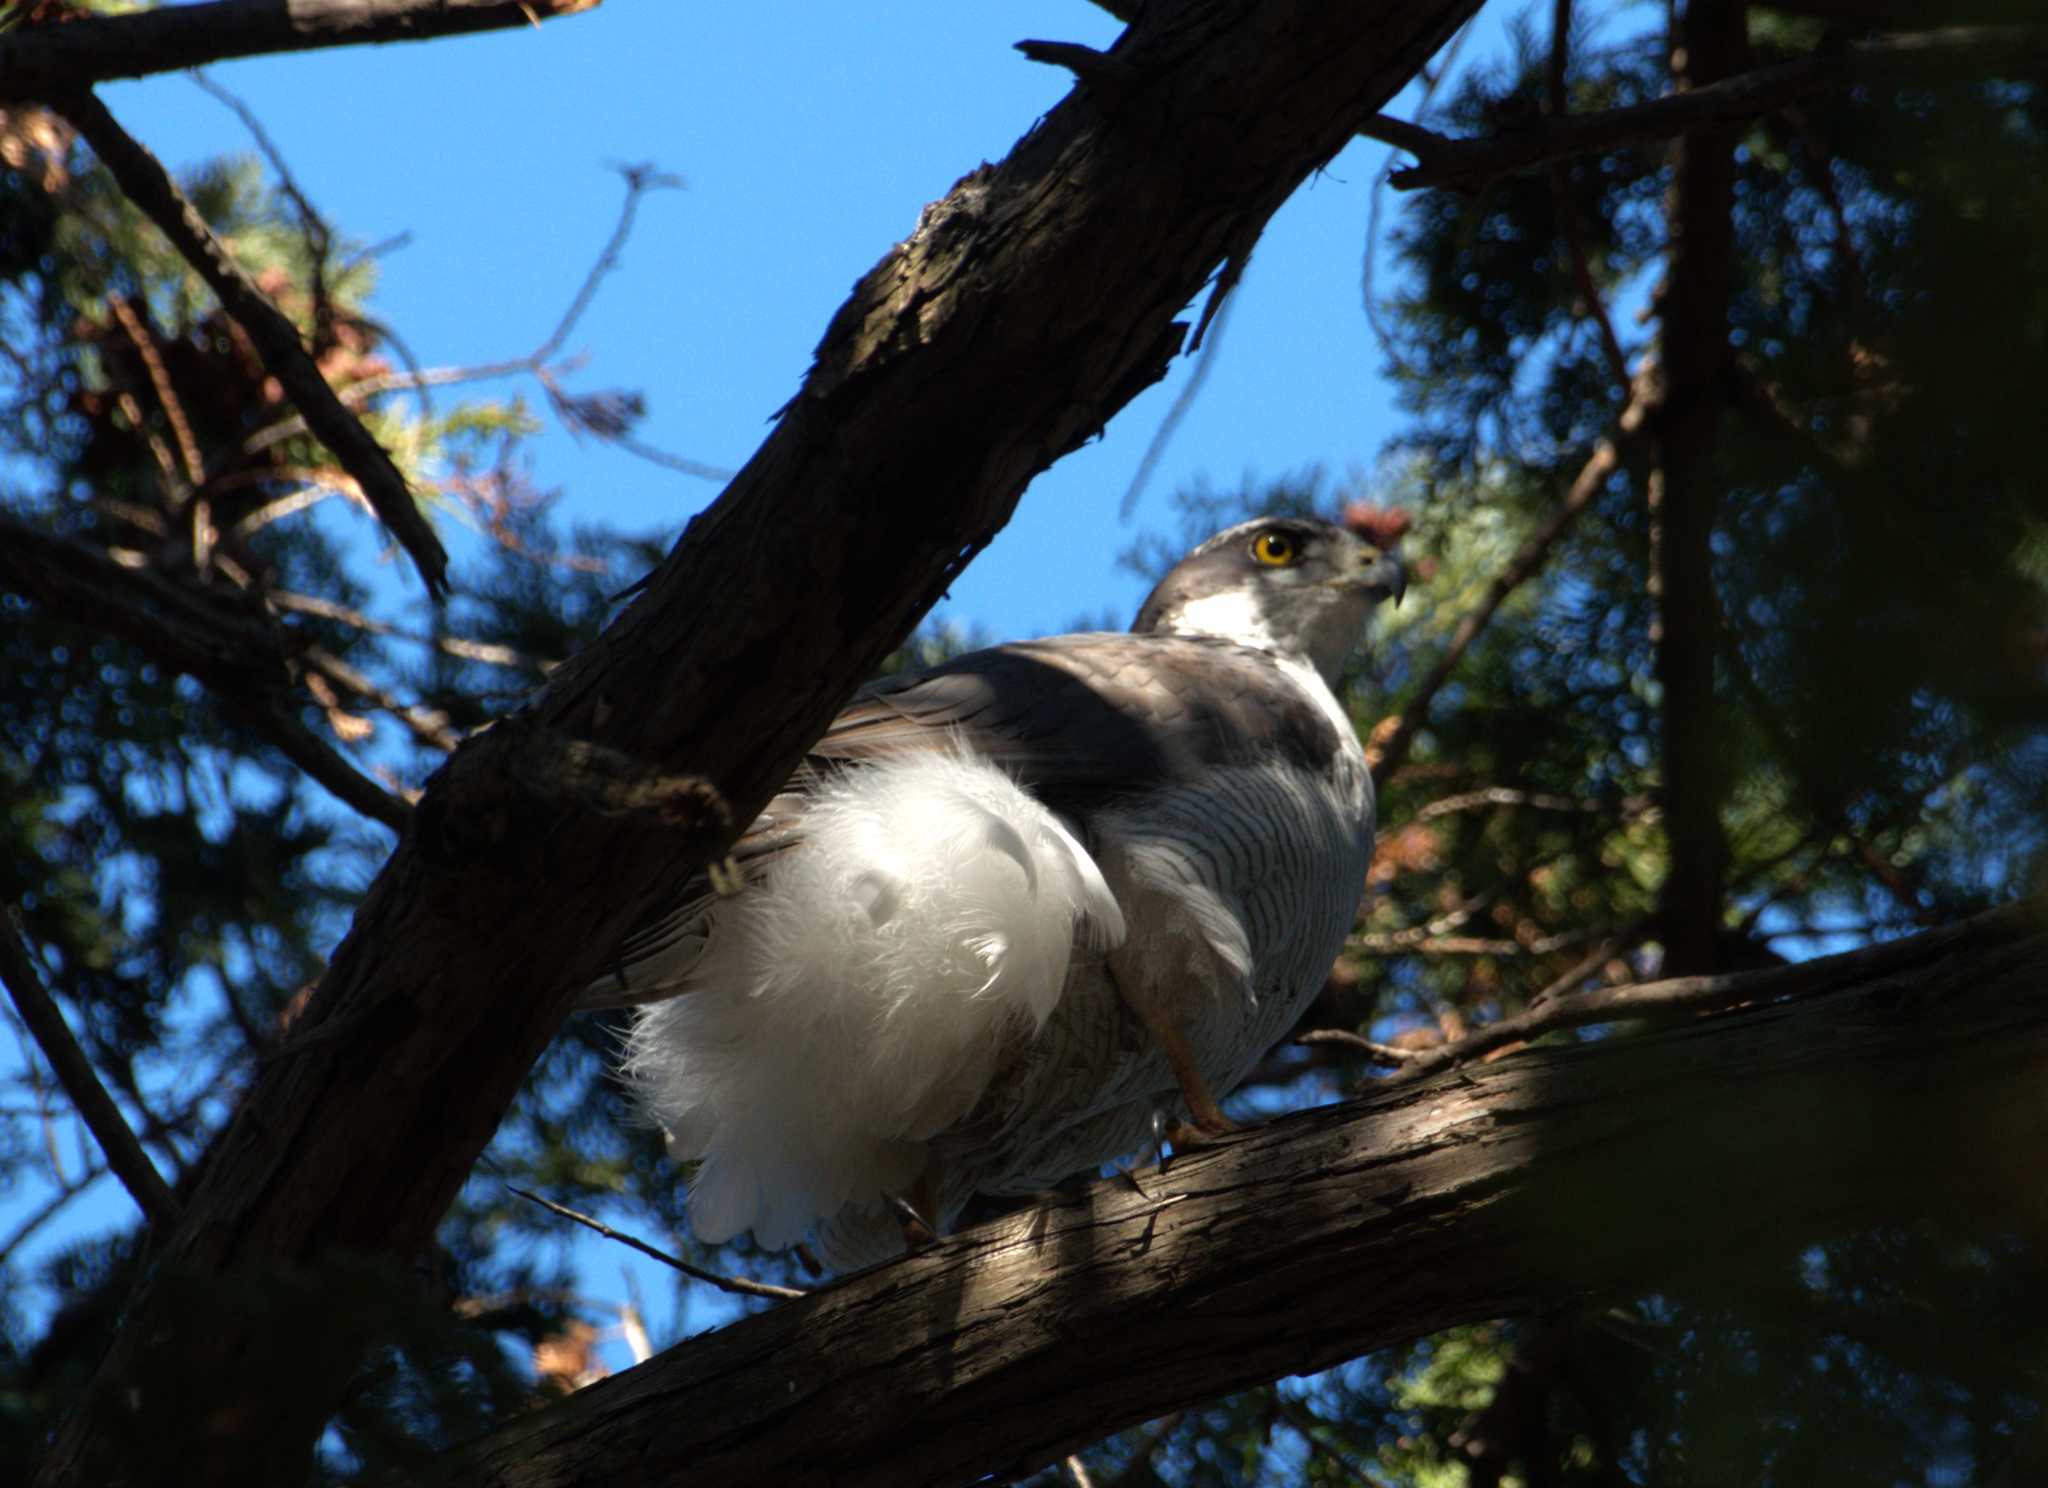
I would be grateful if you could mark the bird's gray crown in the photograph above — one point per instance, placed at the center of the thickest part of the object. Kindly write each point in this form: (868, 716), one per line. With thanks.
(1291, 585)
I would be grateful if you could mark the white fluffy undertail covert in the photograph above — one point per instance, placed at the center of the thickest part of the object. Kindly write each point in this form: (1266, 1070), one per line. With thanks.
(852, 1005)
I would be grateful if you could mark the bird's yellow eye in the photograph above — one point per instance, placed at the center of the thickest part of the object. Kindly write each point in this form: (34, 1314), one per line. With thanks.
(1275, 549)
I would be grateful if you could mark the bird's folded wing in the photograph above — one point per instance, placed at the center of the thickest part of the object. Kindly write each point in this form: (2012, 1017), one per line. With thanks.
(1080, 721)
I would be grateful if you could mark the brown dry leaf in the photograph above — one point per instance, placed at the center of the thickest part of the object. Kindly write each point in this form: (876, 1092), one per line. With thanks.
(567, 1361)
(348, 727)
(35, 142)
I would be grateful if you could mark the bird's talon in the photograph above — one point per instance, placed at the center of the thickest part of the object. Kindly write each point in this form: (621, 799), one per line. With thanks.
(1186, 1136)
(918, 1232)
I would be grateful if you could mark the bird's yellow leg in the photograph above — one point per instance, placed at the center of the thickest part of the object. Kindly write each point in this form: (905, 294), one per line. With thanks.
(1206, 1117)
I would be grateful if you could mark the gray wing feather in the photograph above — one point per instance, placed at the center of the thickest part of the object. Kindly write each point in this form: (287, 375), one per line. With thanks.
(1078, 720)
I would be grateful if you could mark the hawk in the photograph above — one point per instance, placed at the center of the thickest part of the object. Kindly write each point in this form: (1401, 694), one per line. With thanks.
(1012, 909)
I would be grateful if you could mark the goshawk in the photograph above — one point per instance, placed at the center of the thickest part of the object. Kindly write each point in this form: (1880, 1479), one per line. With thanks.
(1011, 908)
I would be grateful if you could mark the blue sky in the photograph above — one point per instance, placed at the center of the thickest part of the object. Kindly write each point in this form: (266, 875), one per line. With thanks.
(811, 136)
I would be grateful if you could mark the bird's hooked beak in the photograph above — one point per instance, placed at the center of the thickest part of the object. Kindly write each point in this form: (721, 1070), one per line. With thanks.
(1383, 576)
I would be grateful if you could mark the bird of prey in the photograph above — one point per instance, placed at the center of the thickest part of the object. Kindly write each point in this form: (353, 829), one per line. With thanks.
(1012, 909)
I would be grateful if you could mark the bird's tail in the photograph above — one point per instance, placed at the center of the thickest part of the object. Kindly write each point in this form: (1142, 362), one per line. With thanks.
(853, 1004)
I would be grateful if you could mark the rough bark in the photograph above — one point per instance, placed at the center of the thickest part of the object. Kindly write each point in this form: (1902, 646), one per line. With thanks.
(1684, 489)
(1023, 311)
(40, 61)
(1887, 1085)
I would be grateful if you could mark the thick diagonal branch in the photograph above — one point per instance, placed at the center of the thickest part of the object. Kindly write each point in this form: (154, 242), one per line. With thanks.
(74, 1072)
(44, 61)
(1858, 1089)
(146, 183)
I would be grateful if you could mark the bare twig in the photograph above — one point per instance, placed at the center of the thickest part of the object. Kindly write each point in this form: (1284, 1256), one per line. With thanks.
(42, 61)
(75, 1073)
(1402, 136)
(147, 184)
(48, 1210)
(143, 338)
(1569, 979)
(1504, 795)
(1183, 401)
(1385, 1055)
(1417, 941)
(190, 631)
(1682, 998)
(640, 179)
(739, 1285)
(428, 725)
(313, 228)
(487, 652)
(1466, 164)
(575, 413)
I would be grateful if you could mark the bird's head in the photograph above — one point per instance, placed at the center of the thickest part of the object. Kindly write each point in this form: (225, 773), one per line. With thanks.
(1287, 584)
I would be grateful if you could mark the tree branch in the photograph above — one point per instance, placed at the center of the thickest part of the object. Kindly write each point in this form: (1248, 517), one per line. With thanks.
(74, 1072)
(41, 62)
(1956, 51)
(233, 655)
(1868, 1087)
(743, 1286)
(146, 183)
(1023, 311)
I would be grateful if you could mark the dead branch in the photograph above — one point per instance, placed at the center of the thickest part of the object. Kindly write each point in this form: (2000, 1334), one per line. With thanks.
(42, 62)
(740, 1286)
(1385, 1055)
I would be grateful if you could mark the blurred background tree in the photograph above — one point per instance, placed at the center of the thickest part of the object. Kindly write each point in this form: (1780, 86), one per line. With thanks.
(1728, 647)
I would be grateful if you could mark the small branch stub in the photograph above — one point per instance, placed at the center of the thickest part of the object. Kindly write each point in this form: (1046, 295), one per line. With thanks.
(1108, 76)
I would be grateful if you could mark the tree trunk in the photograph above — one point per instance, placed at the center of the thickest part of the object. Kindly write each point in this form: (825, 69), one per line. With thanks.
(1888, 1084)
(1684, 490)
(1023, 311)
